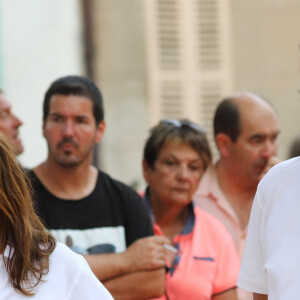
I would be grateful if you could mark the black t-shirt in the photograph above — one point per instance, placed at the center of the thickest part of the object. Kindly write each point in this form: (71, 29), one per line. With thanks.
(108, 220)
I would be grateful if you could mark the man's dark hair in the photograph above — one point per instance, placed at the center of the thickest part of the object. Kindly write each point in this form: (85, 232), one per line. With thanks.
(78, 86)
(227, 119)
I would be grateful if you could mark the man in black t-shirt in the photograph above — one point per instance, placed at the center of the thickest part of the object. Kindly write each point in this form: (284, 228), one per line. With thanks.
(83, 207)
(107, 220)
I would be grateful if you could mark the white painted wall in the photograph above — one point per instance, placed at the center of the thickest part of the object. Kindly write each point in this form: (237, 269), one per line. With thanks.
(120, 67)
(39, 42)
(266, 58)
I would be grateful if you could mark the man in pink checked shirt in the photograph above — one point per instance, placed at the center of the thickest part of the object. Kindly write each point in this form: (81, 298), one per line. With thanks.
(246, 130)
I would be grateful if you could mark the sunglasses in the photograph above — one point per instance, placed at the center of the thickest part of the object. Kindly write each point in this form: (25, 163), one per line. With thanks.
(183, 123)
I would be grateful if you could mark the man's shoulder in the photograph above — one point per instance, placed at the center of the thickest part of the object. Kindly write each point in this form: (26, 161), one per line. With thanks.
(208, 188)
(283, 173)
(107, 183)
(281, 182)
(104, 177)
(35, 183)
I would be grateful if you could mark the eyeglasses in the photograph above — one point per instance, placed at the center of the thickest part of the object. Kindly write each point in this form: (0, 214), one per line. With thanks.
(183, 123)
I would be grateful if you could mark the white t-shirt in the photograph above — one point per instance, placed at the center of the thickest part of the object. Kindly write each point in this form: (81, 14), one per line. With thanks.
(271, 262)
(69, 277)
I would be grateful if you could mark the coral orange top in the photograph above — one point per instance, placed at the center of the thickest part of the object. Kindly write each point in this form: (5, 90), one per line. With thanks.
(206, 262)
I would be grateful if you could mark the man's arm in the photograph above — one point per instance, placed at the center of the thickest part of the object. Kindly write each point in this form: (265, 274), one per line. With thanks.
(138, 285)
(260, 297)
(144, 254)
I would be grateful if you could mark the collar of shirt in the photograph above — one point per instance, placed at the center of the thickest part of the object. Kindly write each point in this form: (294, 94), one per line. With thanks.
(189, 224)
(209, 187)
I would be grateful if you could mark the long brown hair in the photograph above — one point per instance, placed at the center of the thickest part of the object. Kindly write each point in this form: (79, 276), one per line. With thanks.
(20, 228)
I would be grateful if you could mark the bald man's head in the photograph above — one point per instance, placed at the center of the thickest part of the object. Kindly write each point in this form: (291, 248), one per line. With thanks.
(246, 130)
(230, 111)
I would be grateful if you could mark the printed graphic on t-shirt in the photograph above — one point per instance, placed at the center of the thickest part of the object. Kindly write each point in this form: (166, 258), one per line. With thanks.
(92, 241)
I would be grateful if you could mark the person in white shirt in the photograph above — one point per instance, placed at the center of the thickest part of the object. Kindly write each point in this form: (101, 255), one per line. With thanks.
(32, 264)
(271, 262)
(245, 130)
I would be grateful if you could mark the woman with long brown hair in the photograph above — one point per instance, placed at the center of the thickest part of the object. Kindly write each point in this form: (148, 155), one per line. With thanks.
(31, 262)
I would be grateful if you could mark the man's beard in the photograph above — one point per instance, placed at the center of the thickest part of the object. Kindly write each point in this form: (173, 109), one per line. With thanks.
(67, 159)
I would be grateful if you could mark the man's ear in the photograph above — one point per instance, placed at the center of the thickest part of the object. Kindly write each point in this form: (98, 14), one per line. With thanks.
(43, 127)
(224, 143)
(146, 171)
(100, 131)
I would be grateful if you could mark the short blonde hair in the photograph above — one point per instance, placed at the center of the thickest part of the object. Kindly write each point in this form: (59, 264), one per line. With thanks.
(183, 131)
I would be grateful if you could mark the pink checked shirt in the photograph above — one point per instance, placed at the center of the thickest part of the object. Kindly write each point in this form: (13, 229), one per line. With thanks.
(211, 199)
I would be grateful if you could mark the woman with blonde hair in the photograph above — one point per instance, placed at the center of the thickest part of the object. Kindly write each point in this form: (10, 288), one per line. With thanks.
(31, 262)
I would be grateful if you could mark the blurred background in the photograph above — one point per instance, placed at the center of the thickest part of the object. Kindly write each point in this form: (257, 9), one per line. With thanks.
(152, 59)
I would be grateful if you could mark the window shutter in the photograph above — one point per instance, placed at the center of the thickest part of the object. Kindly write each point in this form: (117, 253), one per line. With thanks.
(188, 53)
(165, 61)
